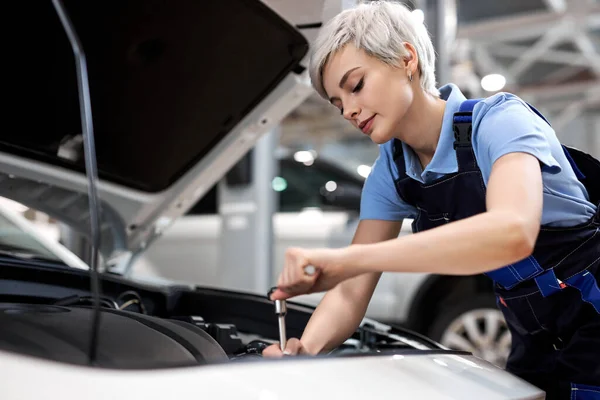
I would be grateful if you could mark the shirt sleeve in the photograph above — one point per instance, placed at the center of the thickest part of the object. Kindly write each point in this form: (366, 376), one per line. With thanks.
(505, 124)
(380, 200)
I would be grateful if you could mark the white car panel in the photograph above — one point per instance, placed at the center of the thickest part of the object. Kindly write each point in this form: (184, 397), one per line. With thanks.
(432, 377)
(51, 245)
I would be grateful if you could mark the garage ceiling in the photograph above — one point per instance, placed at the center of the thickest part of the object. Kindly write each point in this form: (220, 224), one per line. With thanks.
(548, 50)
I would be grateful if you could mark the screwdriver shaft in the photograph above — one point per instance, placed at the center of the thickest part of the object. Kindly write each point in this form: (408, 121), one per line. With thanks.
(282, 333)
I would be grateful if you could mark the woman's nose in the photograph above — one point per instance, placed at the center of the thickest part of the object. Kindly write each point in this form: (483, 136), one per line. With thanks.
(351, 113)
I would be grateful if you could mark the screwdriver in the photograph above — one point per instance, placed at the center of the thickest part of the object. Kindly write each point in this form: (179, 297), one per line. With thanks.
(281, 310)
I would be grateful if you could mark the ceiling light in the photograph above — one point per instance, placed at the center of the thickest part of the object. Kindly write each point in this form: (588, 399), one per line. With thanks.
(363, 170)
(279, 184)
(330, 186)
(304, 156)
(493, 82)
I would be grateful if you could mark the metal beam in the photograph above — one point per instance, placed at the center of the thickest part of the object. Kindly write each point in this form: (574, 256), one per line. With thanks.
(586, 47)
(553, 107)
(441, 20)
(527, 26)
(246, 208)
(547, 92)
(578, 4)
(575, 109)
(562, 74)
(554, 56)
(544, 44)
(489, 65)
(556, 6)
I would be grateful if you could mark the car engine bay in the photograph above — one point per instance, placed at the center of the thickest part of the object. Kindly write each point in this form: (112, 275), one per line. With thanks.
(47, 312)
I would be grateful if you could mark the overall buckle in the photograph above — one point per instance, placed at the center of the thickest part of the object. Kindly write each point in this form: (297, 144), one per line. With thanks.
(463, 129)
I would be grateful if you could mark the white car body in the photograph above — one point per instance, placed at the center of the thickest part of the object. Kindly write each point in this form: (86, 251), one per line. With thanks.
(431, 376)
(435, 377)
(43, 238)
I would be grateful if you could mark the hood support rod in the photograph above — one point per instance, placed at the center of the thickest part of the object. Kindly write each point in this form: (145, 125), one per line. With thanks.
(89, 147)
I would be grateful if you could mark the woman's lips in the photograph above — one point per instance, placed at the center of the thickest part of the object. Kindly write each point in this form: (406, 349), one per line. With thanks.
(367, 126)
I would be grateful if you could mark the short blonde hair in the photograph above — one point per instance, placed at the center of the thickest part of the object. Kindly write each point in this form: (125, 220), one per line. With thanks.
(380, 28)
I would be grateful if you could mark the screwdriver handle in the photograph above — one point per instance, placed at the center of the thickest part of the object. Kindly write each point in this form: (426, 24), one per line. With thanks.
(309, 270)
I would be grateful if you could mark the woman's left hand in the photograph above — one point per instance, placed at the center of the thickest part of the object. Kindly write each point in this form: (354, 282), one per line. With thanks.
(331, 268)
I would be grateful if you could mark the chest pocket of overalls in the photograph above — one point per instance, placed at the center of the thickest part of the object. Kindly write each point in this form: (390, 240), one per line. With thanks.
(426, 220)
(451, 198)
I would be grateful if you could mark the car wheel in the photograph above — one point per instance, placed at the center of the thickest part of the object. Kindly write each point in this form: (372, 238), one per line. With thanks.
(476, 325)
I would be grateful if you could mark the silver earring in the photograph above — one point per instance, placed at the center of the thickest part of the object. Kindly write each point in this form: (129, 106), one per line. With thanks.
(410, 77)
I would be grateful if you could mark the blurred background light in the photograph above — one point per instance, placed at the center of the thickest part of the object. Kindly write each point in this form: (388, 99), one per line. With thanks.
(493, 82)
(419, 15)
(363, 170)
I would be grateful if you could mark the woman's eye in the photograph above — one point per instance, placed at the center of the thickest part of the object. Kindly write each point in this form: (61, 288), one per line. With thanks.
(358, 86)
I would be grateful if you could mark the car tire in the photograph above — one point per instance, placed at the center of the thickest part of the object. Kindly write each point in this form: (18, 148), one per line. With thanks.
(473, 324)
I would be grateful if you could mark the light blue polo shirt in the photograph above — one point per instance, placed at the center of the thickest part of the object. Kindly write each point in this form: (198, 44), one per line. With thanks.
(502, 123)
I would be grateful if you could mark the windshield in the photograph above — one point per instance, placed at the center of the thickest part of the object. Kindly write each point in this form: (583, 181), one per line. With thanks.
(15, 242)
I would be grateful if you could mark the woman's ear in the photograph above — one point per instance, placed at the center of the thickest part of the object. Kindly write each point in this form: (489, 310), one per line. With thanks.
(411, 60)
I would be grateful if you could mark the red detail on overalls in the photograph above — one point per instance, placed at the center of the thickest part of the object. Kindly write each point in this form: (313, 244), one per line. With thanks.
(502, 301)
(562, 285)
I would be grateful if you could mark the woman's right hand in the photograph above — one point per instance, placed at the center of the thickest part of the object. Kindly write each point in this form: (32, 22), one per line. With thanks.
(293, 348)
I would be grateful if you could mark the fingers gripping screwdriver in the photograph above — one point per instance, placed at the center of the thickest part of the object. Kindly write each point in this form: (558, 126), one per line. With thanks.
(281, 311)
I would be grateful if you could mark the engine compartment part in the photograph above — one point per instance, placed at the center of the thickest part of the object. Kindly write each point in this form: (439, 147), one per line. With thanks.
(224, 334)
(127, 340)
(45, 312)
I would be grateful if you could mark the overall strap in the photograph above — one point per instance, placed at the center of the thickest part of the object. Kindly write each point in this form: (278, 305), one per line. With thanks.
(463, 131)
(398, 157)
(462, 125)
(511, 275)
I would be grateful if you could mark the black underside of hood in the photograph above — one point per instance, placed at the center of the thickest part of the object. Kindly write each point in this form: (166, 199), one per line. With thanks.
(168, 80)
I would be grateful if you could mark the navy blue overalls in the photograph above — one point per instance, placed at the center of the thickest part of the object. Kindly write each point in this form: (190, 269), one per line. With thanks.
(551, 300)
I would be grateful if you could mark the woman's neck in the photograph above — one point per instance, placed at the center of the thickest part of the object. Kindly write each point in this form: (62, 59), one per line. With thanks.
(422, 126)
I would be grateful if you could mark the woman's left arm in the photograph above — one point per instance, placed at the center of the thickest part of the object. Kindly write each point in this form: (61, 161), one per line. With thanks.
(504, 234)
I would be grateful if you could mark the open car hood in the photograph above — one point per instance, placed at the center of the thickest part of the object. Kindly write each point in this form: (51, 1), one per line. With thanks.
(180, 91)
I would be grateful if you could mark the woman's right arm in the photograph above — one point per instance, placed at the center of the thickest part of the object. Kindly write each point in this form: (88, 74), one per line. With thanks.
(342, 308)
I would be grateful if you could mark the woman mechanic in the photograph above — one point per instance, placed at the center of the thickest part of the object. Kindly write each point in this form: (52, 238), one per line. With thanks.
(490, 188)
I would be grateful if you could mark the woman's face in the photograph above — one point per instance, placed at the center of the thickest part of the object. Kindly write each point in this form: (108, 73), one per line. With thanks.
(372, 95)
